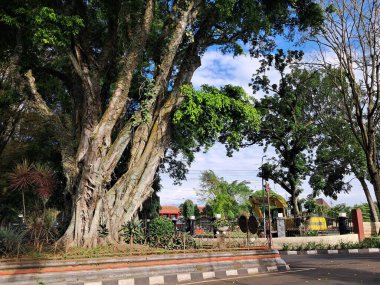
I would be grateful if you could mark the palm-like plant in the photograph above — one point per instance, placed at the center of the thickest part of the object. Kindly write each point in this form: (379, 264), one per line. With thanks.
(42, 177)
(20, 179)
(39, 177)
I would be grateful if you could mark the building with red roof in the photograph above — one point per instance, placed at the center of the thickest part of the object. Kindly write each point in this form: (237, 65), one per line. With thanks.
(170, 212)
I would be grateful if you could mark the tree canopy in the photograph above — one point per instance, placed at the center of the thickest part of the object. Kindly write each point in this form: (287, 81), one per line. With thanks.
(288, 124)
(227, 199)
(108, 76)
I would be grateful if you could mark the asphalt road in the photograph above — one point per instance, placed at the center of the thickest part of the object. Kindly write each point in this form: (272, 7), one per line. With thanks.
(317, 269)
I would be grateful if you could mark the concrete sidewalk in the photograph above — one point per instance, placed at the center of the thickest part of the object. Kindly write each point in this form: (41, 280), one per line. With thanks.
(142, 270)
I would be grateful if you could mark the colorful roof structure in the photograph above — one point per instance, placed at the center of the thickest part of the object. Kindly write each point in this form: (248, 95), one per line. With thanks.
(169, 210)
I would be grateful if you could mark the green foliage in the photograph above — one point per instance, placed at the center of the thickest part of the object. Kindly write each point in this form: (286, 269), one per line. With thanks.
(133, 231)
(311, 233)
(51, 28)
(103, 231)
(181, 241)
(197, 213)
(367, 243)
(77, 48)
(187, 209)
(151, 206)
(33, 141)
(287, 123)
(210, 115)
(42, 227)
(338, 154)
(340, 208)
(221, 223)
(208, 212)
(11, 241)
(366, 212)
(161, 232)
(259, 194)
(225, 198)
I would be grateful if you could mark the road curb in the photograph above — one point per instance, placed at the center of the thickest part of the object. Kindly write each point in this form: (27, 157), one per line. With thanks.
(329, 251)
(187, 277)
(144, 270)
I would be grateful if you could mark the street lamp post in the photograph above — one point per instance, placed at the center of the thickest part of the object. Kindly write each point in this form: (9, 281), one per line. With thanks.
(267, 189)
(192, 225)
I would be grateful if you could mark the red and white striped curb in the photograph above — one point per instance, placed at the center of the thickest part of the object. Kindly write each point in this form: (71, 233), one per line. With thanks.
(187, 277)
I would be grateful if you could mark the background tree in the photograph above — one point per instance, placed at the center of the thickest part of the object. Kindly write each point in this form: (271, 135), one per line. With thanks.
(288, 124)
(118, 68)
(208, 211)
(197, 213)
(338, 157)
(187, 209)
(225, 198)
(339, 154)
(340, 208)
(32, 140)
(350, 33)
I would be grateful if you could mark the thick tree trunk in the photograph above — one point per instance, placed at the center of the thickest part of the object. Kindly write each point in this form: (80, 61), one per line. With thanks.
(97, 201)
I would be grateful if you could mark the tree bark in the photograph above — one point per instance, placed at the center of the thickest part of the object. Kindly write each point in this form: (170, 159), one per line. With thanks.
(296, 210)
(371, 204)
(98, 201)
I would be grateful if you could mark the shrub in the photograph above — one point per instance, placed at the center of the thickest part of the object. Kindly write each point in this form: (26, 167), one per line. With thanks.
(181, 241)
(11, 240)
(311, 233)
(132, 232)
(42, 227)
(161, 232)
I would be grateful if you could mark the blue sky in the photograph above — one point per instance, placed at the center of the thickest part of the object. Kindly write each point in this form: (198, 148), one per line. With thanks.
(220, 69)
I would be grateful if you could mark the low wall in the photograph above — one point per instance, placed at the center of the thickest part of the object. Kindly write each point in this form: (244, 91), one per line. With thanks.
(277, 243)
(371, 229)
(141, 269)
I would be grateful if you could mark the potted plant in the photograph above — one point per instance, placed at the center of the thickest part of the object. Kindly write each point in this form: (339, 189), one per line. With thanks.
(222, 225)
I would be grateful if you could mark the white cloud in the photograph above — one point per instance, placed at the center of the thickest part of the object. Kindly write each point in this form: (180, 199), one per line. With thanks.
(220, 69)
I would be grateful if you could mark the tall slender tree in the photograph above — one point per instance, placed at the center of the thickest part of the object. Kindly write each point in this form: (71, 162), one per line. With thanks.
(349, 42)
(339, 154)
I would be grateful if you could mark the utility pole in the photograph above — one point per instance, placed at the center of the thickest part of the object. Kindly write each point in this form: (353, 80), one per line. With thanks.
(262, 200)
(267, 189)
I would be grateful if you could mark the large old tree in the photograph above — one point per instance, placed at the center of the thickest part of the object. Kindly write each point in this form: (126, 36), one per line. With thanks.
(108, 76)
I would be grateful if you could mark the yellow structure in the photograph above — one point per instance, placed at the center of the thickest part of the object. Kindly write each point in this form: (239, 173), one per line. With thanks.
(316, 224)
(276, 202)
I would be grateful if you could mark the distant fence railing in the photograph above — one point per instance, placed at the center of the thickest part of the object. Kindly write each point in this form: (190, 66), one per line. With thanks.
(211, 234)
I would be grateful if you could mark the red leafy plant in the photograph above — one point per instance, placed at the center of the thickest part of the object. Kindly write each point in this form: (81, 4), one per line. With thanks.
(37, 177)
(20, 180)
(43, 178)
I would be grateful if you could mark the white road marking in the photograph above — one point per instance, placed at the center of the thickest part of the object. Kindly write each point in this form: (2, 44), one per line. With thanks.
(251, 276)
